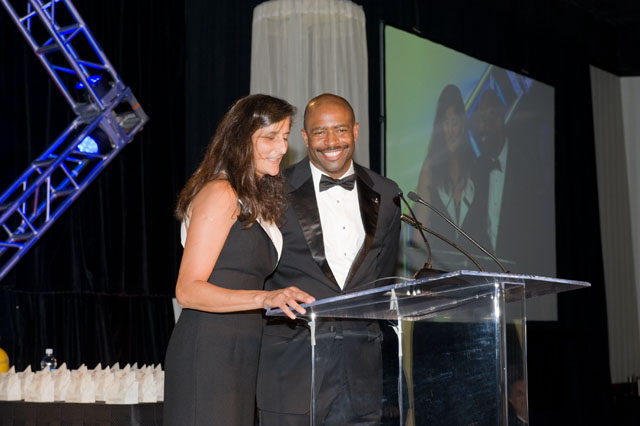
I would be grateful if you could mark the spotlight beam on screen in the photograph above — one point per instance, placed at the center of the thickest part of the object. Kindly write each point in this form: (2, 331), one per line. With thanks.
(108, 117)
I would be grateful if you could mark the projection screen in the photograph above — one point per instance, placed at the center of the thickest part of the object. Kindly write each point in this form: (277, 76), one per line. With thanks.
(477, 142)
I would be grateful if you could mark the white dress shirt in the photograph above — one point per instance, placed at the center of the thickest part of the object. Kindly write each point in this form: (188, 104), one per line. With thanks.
(496, 185)
(342, 229)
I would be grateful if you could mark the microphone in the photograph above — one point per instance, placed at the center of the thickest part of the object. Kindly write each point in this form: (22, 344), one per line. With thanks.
(415, 198)
(426, 269)
(417, 225)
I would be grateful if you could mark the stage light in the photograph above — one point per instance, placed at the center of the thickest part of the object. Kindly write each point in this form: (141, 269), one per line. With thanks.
(98, 83)
(93, 80)
(88, 145)
(97, 142)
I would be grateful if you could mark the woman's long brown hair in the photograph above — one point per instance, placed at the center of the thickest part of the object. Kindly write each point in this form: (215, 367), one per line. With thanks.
(229, 156)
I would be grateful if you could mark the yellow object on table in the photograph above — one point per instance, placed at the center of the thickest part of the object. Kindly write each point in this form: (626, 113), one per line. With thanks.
(4, 361)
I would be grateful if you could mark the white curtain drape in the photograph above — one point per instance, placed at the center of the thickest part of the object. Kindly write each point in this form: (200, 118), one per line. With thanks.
(303, 48)
(630, 91)
(616, 222)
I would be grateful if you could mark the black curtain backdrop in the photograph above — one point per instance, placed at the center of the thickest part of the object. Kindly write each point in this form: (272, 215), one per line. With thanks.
(97, 287)
(218, 46)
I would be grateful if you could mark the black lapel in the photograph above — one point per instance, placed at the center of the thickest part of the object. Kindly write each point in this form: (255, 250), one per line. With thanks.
(304, 203)
(369, 206)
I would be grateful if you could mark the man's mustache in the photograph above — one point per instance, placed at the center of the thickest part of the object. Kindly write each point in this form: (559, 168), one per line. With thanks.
(333, 148)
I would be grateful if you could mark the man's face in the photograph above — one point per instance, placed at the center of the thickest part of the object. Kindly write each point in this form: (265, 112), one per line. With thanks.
(330, 135)
(518, 397)
(488, 129)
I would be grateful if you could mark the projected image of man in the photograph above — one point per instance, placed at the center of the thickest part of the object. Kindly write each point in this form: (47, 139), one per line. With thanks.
(491, 167)
(508, 184)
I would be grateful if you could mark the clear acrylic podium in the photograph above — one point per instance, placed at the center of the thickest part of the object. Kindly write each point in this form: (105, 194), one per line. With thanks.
(454, 345)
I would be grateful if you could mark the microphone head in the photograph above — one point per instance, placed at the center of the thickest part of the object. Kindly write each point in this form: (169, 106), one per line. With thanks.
(413, 196)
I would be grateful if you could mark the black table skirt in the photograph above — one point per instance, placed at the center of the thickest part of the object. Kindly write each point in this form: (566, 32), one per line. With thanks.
(20, 413)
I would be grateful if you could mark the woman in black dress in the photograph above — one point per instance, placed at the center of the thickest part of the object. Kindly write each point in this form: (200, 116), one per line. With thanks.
(230, 209)
(445, 177)
(446, 182)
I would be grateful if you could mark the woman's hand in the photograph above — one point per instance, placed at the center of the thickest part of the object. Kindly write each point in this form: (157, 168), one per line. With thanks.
(286, 299)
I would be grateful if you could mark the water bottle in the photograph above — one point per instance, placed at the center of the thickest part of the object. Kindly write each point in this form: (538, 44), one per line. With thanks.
(48, 361)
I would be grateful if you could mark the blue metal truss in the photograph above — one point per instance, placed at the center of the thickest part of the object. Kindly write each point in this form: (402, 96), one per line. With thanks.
(105, 108)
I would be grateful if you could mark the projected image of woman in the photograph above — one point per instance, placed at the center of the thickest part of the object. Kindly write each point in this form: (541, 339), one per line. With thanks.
(445, 178)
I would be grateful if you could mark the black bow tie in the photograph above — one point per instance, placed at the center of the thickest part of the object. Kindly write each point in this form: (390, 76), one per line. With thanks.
(490, 163)
(494, 164)
(347, 183)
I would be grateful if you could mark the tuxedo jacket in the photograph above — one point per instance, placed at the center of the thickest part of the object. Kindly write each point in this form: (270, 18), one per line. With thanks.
(284, 375)
(524, 214)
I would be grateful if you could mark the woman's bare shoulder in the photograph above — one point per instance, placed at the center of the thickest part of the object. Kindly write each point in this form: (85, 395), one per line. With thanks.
(217, 195)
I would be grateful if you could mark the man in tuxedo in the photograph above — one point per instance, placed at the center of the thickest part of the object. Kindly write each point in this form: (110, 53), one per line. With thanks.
(491, 166)
(340, 234)
(510, 190)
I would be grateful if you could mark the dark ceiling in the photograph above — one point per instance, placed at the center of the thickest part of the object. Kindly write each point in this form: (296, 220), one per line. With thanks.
(615, 32)
(617, 12)
(604, 33)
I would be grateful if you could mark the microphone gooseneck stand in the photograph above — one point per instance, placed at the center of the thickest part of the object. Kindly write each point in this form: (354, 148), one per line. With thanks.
(406, 219)
(426, 270)
(416, 198)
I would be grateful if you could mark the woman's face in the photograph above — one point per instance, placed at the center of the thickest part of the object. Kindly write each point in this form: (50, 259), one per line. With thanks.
(452, 126)
(269, 146)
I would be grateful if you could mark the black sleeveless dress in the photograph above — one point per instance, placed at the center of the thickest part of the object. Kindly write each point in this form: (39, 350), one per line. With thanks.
(212, 359)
